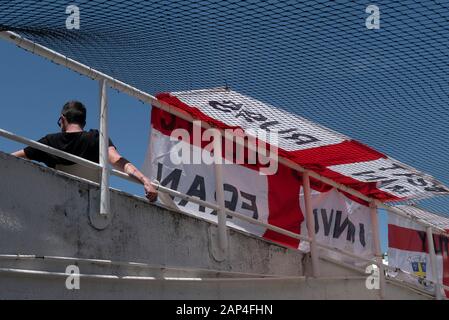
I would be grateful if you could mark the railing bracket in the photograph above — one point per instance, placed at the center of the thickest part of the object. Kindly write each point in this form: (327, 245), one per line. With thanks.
(216, 250)
(97, 220)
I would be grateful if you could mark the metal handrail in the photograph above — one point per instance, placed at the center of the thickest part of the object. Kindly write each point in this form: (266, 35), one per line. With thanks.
(140, 265)
(177, 194)
(171, 192)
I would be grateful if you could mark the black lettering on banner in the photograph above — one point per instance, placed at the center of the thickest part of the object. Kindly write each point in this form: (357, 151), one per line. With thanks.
(372, 175)
(362, 234)
(287, 131)
(301, 138)
(350, 236)
(394, 167)
(197, 189)
(420, 182)
(369, 175)
(422, 235)
(410, 179)
(266, 125)
(436, 188)
(327, 222)
(408, 175)
(384, 183)
(173, 178)
(340, 227)
(250, 116)
(398, 189)
(252, 206)
(229, 204)
(225, 106)
(317, 225)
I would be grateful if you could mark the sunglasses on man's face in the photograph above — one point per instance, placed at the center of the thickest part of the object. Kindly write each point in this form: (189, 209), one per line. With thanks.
(60, 121)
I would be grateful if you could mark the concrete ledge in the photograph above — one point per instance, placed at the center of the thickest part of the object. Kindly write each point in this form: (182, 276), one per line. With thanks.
(46, 213)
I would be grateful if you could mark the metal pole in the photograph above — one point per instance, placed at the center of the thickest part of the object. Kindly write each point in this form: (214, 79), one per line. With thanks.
(221, 213)
(104, 146)
(311, 224)
(433, 263)
(377, 249)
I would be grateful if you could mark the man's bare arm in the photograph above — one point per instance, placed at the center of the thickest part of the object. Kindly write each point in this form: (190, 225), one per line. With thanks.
(124, 165)
(20, 154)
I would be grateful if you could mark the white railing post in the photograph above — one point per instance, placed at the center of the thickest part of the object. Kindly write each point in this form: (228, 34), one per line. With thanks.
(221, 213)
(103, 222)
(311, 225)
(433, 263)
(377, 248)
(104, 145)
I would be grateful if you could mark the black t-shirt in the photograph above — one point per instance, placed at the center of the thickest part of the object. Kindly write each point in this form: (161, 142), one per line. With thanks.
(84, 144)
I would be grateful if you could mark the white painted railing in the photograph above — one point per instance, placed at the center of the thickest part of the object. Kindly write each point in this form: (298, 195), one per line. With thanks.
(106, 80)
(171, 192)
(217, 207)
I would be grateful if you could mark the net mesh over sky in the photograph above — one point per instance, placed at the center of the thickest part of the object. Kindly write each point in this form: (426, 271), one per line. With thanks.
(387, 88)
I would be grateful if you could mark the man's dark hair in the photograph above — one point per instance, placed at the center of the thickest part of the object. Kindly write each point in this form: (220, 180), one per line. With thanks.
(74, 112)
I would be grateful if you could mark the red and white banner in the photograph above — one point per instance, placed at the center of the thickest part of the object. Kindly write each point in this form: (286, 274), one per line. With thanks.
(310, 145)
(275, 199)
(341, 220)
(341, 223)
(408, 251)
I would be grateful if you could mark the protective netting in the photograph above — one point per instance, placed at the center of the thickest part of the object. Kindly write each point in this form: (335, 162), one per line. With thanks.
(386, 88)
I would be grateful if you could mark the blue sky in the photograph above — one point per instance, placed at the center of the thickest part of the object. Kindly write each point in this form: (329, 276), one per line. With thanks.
(34, 90)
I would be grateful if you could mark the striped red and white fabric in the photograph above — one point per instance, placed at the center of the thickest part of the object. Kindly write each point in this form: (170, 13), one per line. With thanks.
(271, 199)
(408, 247)
(341, 220)
(277, 199)
(310, 145)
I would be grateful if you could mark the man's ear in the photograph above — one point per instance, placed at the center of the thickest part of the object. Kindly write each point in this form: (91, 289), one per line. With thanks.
(64, 123)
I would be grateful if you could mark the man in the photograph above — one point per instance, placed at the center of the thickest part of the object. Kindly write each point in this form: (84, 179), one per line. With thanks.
(85, 144)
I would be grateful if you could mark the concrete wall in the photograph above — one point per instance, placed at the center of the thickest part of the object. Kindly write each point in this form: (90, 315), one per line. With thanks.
(46, 213)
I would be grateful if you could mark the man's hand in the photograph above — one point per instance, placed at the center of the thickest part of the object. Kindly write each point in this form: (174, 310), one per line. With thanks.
(150, 191)
(127, 167)
(20, 154)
